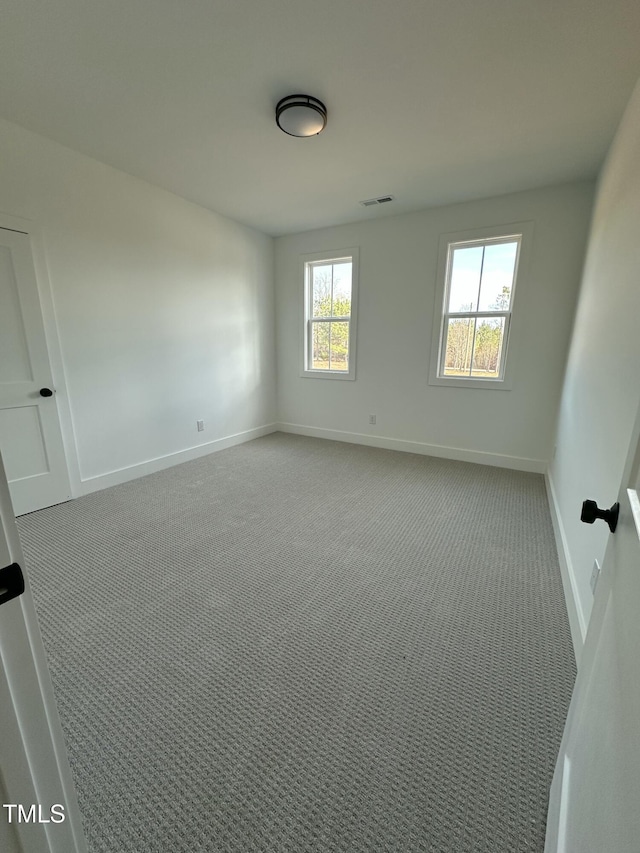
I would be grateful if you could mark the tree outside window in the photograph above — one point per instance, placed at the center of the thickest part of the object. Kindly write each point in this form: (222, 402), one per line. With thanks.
(329, 316)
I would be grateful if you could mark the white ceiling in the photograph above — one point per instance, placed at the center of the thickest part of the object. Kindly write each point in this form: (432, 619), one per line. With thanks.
(433, 101)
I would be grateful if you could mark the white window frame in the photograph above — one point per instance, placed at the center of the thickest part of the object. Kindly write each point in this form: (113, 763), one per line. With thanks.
(523, 232)
(306, 263)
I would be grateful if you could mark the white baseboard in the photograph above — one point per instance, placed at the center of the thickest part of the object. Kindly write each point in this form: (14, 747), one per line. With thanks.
(132, 472)
(498, 460)
(577, 619)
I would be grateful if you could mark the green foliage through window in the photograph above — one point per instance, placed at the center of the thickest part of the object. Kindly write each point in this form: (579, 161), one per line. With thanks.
(330, 307)
(479, 293)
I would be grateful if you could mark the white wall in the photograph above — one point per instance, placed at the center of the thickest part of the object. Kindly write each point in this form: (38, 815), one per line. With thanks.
(398, 257)
(602, 386)
(164, 310)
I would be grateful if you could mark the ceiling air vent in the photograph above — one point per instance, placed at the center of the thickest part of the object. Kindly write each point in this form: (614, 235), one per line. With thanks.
(382, 199)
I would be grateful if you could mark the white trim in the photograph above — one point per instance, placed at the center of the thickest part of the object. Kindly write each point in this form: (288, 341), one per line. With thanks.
(634, 503)
(577, 618)
(479, 457)
(52, 334)
(353, 255)
(564, 805)
(150, 466)
(493, 233)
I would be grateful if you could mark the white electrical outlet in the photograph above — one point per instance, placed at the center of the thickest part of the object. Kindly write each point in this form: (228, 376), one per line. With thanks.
(595, 575)
(200, 425)
(372, 419)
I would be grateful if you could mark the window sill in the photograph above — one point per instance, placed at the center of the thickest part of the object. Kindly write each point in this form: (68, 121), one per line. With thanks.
(326, 374)
(478, 384)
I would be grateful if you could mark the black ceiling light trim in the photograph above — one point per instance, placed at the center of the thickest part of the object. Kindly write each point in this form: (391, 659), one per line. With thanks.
(301, 115)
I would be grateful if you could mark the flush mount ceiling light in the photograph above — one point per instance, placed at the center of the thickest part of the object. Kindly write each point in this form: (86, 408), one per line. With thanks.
(301, 115)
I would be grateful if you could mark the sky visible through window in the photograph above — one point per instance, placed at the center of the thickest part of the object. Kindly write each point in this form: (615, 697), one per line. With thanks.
(332, 289)
(481, 281)
(492, 267)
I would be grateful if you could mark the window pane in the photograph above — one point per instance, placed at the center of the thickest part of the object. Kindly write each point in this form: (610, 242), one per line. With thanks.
(342, 289)
(339, 346)
(466, 265)
(320, 346)
(330, 346)
(487, 349)
(321, 290)
(331, 289)
(497, 276)
(457, 360)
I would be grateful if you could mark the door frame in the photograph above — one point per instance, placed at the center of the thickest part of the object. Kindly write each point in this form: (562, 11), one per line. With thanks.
(52, 340)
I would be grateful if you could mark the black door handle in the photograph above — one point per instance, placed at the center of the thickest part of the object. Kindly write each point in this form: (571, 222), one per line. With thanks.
(591, 511)
(46, 392)
(11, 582)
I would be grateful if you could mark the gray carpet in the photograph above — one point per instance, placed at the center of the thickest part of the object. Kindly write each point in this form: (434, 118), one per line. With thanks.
(299, 645)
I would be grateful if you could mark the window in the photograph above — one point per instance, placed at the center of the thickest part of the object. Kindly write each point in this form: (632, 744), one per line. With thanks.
(330, 284)
(475, 299)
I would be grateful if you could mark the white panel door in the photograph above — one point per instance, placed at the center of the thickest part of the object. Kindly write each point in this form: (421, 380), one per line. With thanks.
(595, 797)
(34, 770)
(30, 435)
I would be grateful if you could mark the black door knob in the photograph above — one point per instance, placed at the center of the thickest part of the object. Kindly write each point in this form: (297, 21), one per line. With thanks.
(11, 582)
(46, 392)
(591, 511)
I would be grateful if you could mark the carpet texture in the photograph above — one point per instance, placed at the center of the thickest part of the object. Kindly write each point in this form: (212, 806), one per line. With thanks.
(301, 645)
